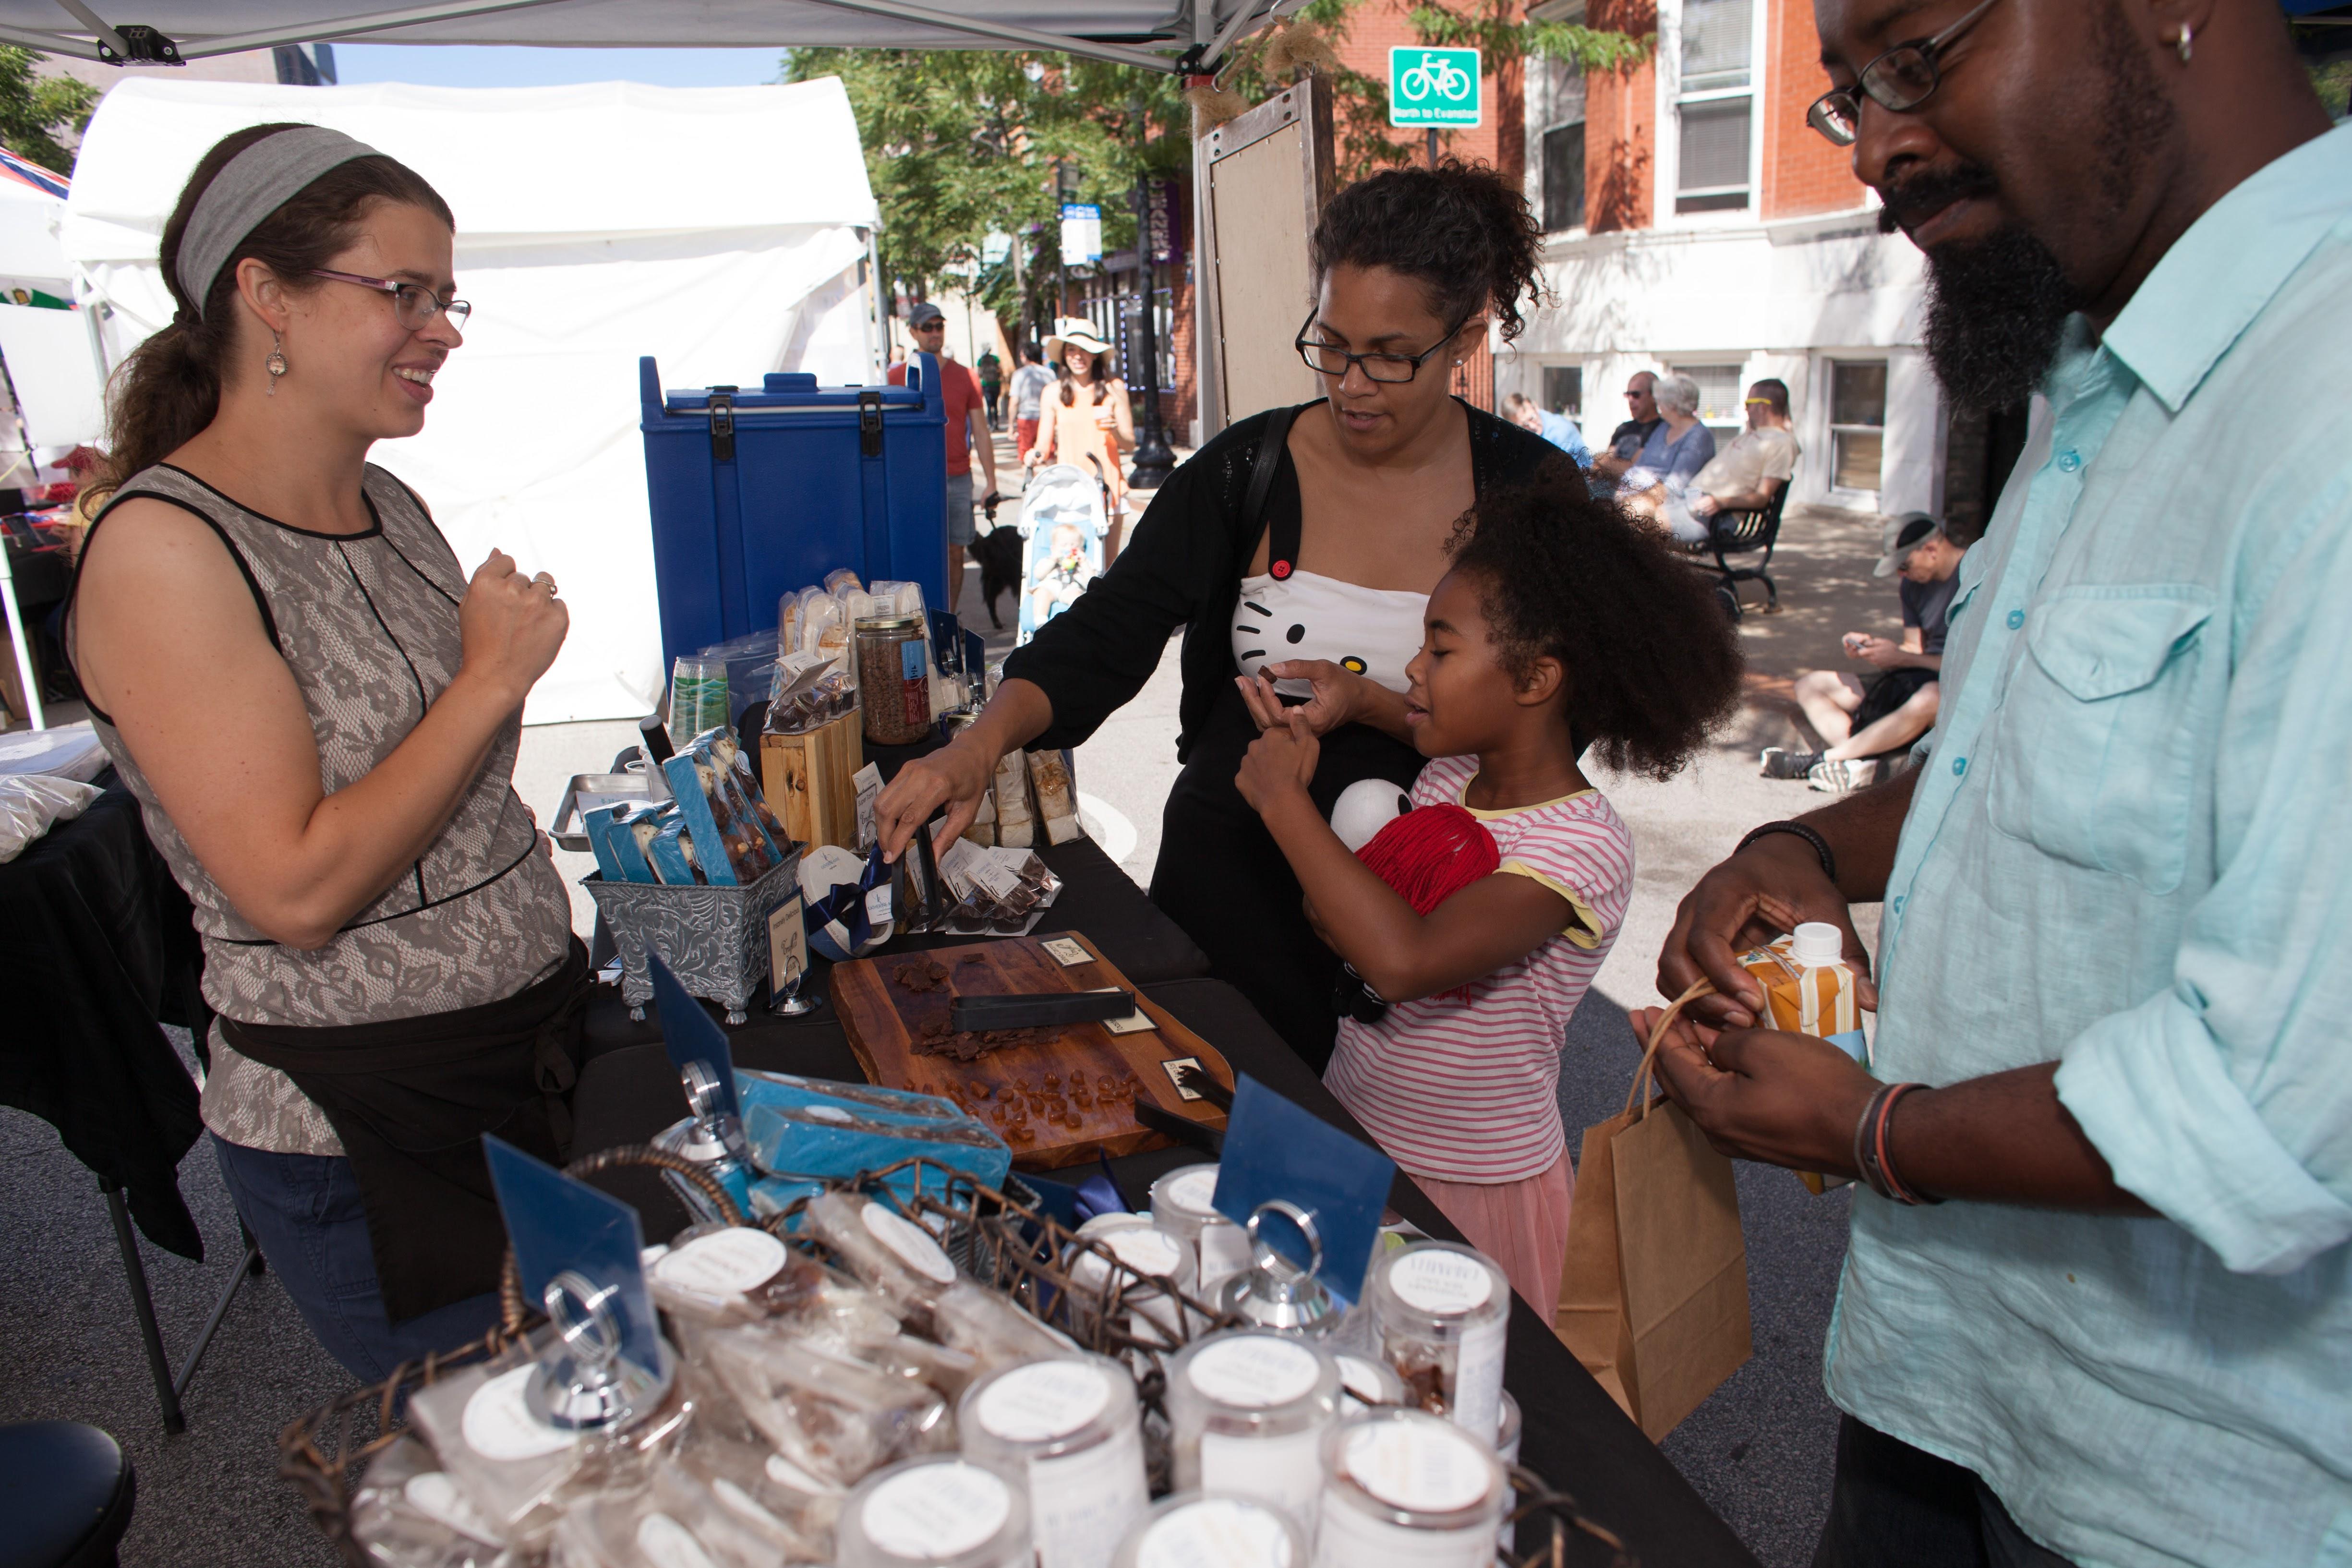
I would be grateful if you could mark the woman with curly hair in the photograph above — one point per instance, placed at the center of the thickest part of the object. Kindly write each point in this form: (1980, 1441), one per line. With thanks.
(1561, 616)
(1296, 548)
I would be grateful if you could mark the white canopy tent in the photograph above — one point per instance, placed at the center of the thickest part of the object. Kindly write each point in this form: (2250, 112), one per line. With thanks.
(48, 352)
(722, 230)
(1150, 33)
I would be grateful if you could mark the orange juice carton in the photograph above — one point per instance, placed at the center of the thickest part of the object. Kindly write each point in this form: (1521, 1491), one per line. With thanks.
(1808, 989)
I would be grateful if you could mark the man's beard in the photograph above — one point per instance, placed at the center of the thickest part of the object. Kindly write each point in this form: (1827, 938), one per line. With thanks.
(1997, 307)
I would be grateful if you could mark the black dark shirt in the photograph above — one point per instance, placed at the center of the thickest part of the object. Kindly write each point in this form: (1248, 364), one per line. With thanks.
(1182, 567)
(1626, 440)
(1926, 606)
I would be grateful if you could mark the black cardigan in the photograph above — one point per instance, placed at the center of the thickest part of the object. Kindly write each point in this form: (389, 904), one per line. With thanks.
(1182, 566)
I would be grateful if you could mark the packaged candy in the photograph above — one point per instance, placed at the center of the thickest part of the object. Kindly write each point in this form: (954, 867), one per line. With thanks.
(1408, 1489)
(620, 853)
(1249, 1408)
(749, 1475)
(408, 1513)
(732, 843)
(902, 1260)
(1071, 1427)
(1229, 1532)
(1184, 1205)
(935, 1514)
(1151, 1314)
(753, 1087)
(835, 1141)
(672, 852)
(733, 1274)
(1057, 795)
(1016, 818)
(1440, 1312)
(831, 1416)
(502, 1457)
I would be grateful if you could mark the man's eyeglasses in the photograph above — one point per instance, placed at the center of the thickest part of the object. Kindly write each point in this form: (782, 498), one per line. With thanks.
(413, 305)
(1324, 359)
(1901, 80)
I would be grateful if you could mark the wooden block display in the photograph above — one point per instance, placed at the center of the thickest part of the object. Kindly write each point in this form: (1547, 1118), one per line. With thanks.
(885, 1019)
(807, 780)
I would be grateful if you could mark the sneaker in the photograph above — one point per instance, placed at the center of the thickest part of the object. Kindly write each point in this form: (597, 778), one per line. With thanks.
(1780, 762)
(1840, 778)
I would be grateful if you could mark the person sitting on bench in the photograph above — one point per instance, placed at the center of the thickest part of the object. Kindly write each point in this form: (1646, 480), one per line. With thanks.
(1866, 719)
(1744, 475)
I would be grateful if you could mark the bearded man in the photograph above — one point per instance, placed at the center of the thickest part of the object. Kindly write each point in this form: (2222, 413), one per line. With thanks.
(2098, 1303)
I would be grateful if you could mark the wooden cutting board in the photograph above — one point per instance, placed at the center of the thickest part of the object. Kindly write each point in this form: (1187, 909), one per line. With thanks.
(1007, 1088)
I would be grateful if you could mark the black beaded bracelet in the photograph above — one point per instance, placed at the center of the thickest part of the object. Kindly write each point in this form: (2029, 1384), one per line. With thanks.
(1821, 845)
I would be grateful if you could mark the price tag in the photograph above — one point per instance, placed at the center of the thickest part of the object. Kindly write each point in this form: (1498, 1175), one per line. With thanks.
(1067, 952)
(878, 906)
(995, 878)
(956, 862)
(787, 944)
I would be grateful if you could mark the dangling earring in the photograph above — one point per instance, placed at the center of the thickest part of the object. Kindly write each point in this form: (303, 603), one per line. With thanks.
(2182, 43)
(275, 363)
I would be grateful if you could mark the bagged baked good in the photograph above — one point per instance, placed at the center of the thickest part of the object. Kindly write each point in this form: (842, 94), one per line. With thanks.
(1015, 816)
(1057, 795)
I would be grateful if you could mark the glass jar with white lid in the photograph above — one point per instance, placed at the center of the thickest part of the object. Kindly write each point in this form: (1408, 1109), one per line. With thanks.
(1248, 1409)
(1213, 1530)
(935, 1512)
(1184, 1205)
(1144, 1248)
(1408, 1489)
(1439, 1312)
(1071, 1425)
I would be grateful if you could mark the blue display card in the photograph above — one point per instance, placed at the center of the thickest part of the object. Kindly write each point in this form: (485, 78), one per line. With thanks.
(1274, 1149)
(556, 1223)
(691, 1035)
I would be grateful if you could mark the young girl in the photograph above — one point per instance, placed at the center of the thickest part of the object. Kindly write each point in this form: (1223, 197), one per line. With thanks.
(1559, 617)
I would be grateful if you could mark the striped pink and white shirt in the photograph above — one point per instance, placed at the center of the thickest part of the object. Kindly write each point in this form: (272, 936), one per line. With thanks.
(1468, 1090)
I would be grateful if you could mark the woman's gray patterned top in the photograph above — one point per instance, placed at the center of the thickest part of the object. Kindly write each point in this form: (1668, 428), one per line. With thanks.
(368, 623)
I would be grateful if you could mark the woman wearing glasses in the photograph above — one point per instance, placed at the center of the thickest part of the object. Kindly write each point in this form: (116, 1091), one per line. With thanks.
(319, 712)
(1324, 563)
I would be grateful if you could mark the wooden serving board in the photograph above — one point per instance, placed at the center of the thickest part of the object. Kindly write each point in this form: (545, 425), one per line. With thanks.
(1007, 1088)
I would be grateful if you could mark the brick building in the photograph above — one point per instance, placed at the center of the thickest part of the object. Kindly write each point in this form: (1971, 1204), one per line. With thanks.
(1696, 223)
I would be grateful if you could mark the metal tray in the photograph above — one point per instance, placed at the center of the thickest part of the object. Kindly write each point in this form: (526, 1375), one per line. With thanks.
(586, 792)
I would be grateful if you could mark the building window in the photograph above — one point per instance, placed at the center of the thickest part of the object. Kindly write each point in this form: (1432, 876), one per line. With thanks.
(1563, 178)
(1563, 390)
(1857, 424)
(1716, 104)
(1721, 407)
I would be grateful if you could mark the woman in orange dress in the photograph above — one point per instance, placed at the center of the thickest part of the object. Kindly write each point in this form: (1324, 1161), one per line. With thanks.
(1087, 417)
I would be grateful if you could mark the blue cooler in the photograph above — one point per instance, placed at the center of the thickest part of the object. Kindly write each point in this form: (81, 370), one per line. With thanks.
(757, 493)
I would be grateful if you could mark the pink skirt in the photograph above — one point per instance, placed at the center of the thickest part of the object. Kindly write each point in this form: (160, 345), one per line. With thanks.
(1521, 1225)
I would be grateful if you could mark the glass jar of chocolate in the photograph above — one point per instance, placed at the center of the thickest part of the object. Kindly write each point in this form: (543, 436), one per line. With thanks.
(894, 679)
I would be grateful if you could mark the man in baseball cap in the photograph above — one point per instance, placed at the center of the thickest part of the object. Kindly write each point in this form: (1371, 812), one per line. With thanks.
(967, 433)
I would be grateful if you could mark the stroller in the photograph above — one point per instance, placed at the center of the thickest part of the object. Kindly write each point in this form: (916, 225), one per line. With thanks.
(1063, 521)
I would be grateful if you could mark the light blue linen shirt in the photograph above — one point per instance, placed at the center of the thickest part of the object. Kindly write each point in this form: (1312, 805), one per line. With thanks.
(1562, 432)
(2129, 852)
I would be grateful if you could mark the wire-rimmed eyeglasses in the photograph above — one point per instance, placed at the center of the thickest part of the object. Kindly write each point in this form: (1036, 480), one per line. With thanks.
(1326, 359)
(1901, 80)
(413, 305)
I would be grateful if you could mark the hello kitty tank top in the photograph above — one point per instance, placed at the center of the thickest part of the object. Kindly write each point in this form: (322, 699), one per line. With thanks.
(1373, 631)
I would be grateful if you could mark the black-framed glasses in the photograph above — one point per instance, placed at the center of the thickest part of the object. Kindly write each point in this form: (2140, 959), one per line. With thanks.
(1901, 80)
(413, 305)
(1325, 359)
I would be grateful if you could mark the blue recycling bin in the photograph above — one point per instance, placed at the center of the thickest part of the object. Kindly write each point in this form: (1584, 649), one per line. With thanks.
(757, 493)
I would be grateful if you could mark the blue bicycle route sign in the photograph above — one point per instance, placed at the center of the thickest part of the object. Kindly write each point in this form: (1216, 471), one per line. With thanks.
(1433, 89)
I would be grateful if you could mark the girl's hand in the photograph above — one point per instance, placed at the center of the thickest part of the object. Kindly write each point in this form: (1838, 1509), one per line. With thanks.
(1279, 765)
(1340, 696)
(510, 626)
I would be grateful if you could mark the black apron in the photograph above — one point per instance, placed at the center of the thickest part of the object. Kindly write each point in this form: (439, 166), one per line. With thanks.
(411, 1097)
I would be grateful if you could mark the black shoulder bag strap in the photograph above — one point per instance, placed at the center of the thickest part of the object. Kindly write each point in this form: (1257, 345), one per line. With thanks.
(1282, 550)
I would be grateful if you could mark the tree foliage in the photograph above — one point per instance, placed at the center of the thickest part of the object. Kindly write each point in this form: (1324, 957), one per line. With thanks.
(35, 110)
(964, 143)
(1503, 40)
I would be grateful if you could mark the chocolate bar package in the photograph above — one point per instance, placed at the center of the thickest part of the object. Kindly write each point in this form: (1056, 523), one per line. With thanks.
(672, 852)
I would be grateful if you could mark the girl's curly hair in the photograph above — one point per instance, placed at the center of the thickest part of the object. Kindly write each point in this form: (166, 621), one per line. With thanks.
(1652, 666)
(1461, 230)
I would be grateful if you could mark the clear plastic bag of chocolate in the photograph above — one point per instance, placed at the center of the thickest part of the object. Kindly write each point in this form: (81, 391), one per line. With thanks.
(408, 1513)
(743, 1477)
(721, 1275)
(906, 1264)
(835, 1418)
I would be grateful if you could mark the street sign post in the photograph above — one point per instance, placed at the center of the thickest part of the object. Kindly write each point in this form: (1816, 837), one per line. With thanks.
(1435, 89)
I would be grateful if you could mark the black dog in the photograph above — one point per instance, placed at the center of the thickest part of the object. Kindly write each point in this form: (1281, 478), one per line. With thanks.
(998, 554)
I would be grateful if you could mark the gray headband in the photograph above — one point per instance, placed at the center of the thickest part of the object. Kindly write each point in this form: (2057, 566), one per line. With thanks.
(249, 187)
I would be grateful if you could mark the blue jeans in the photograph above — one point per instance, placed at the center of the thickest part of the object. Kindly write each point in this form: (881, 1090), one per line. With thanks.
(305, 1211)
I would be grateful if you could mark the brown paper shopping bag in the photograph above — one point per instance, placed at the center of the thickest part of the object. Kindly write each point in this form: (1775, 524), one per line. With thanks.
(1653, 1289)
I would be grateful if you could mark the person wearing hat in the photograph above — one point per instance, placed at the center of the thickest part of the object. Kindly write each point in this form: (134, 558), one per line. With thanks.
(1087, 423)
(967, 433)
(1864, 718)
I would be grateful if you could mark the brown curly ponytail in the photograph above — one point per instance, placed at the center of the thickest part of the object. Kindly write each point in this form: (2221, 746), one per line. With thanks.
(1461, 229)
(169, 389)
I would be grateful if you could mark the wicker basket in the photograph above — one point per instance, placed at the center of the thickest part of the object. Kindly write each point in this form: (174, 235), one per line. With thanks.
(715, 940)
(1001, 1240)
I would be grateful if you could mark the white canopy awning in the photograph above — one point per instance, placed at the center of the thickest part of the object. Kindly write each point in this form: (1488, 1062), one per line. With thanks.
(1150, 33)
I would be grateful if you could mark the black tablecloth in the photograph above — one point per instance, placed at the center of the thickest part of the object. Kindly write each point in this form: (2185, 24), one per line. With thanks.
(1574, 1434)
(98, 945)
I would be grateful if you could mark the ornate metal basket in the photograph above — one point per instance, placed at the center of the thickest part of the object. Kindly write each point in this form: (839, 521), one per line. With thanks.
(1002, 1240)
(714, 939)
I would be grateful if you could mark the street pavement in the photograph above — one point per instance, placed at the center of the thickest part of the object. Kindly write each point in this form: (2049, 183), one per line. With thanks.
(1759, 1451)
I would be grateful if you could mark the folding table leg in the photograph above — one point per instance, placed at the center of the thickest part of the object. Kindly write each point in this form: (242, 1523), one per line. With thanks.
(167, 1393)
